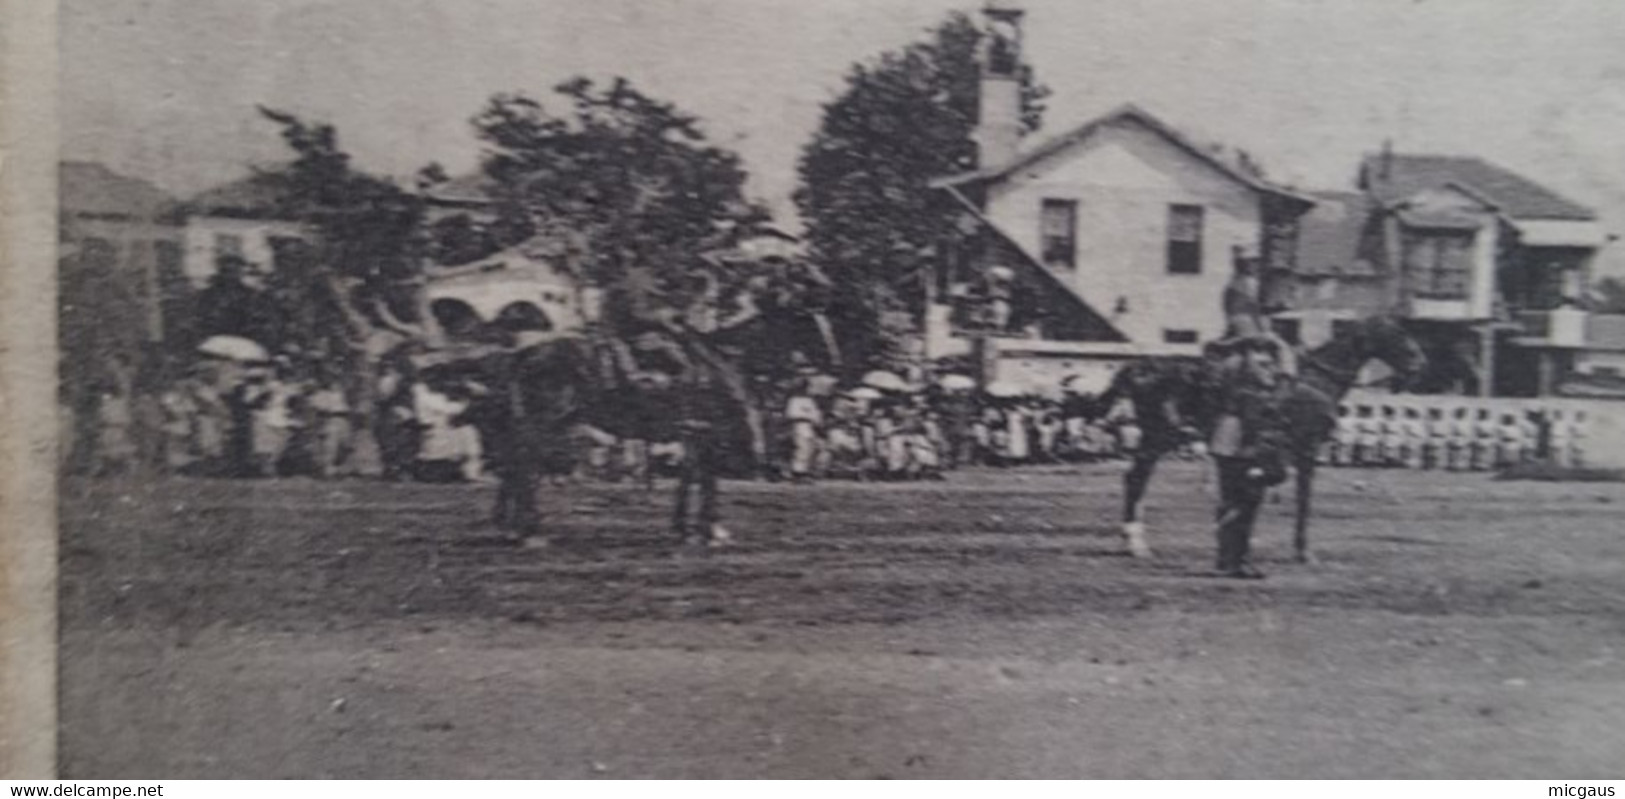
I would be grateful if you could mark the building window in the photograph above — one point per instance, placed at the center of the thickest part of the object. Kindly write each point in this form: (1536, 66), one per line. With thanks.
(228, 245)
(1439, 264)
(1059, 228)
(1184, 239)
(1170, 336)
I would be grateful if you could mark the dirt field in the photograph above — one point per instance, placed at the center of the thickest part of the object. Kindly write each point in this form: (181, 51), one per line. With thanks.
(986, 627)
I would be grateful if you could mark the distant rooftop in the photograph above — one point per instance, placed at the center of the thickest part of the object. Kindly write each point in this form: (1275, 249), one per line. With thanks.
(257, 195)
(1395, 177)
(91, 189)
(1329, 235)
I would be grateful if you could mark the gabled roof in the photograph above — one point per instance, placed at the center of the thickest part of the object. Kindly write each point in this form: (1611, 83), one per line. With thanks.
(1124, 113)
(91, 189)
(1330, 235)
(529, 261)
(1393, 178)
(1089, 317)
(258, 196)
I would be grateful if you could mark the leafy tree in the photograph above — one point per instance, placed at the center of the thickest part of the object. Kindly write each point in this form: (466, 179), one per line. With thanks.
(353, 292)
(872, 220)
(367, 228)
(626, 179)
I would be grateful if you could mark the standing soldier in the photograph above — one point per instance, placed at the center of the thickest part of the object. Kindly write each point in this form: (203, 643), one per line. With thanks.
(1248, 448)
(1345, 438)
(1510, 439)
(1437, 454)
(1535, 442)
(1485, 439)
(1413, 448)
(1369, 443)
(1392, 438)
(1461, 441)
(1568, 439)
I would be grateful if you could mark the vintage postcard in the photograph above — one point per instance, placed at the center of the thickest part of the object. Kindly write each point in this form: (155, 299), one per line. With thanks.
(769, 389)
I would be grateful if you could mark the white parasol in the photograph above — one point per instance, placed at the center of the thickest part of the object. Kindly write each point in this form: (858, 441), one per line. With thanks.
(1004, 389)
(885, 381)
(957, 382)
(234, 348)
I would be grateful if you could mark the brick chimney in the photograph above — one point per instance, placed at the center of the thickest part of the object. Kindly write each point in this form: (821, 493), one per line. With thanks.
(998, 121)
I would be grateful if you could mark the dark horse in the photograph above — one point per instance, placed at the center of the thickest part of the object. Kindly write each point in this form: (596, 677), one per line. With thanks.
(534, 395)
(1172, 405)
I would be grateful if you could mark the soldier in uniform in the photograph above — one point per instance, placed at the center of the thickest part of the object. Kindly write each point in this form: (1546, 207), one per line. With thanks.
(1244, 315)
(1248, 448)
(1461, 441)
(1486, 438)
(1414, 435)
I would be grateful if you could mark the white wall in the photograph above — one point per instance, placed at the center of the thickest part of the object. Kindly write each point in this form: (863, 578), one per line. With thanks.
(256, 234)
(1123, 178)
(1587, 362)
(532, 282)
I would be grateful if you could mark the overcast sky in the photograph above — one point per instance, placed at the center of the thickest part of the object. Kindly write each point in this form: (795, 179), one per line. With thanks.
(165, 89)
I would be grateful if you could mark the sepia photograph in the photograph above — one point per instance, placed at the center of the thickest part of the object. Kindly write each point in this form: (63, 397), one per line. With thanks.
(776, 389)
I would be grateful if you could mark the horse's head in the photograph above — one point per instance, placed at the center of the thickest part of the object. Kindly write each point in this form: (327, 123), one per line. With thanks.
(1385, 339)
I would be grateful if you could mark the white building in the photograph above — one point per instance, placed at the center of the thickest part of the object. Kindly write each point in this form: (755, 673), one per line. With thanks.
(236, 220)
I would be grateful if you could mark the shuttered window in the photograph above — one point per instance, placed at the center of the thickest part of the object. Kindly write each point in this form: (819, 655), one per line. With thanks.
(1059, 230)
(1439, 263)
(1184, 239)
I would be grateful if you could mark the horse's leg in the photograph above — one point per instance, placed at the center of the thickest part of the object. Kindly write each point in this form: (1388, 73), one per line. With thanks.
(646, 462)
(502, 515)
(710, 512)
(1135, 482)
(696, 462)
(1300, 531)
(525, 516)
(685, 479)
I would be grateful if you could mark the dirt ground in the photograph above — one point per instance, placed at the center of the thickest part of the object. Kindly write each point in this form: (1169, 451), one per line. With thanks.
(983, 627)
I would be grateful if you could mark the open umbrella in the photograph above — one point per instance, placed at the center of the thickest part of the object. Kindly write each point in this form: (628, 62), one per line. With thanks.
(234, 348)
(1004, 389)
(865, 393)
(956, 382)
(885, 381)
(821, 385)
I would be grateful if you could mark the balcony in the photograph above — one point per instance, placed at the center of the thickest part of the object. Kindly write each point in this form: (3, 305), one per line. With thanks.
(1560, 328)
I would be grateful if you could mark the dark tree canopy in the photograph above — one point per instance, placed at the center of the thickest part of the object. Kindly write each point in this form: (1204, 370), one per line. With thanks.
(362, 266)
(629, 179)
(903, 119)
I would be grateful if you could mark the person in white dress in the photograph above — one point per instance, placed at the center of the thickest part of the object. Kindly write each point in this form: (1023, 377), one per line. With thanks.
(806, 422)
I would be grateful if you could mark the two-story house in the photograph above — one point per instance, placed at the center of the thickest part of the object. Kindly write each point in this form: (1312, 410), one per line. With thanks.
(1121, 232)
(238, 220)
(125, 228)
(1486, 265)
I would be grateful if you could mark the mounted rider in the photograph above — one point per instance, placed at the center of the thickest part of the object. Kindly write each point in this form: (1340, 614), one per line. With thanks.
(1244, 314)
